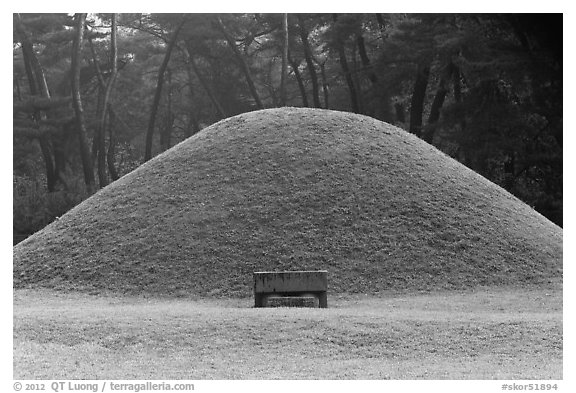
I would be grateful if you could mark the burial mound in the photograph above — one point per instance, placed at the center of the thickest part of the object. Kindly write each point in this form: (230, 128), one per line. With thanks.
(294, 189)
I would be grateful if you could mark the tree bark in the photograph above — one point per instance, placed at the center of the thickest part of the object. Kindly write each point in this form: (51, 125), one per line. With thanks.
(381, 99)
(158, 93)
(438, 102)
(243, 64)
(365, 60)
(418, 96)
(294, 66)
(40, 76)
(104, 105)
(110, 154)
(27, 53)
(111, 138)
(269, 85)
(77, 103)
(99, 75)
(284, 74)
(381, 24)
(324, 83)
(193, 126)
(309, 61)
(347, 74)
(166, 134)
(59, 144)
(456, 76)
(400, 114)
(193, 67)
(509, 170)
(166, 131)
(51, 177)
(96, 136)
(38, 86)
(100, 100)
(457, 85)
(357, 82)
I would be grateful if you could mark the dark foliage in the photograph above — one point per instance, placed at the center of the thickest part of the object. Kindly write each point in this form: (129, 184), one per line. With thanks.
(485, 89)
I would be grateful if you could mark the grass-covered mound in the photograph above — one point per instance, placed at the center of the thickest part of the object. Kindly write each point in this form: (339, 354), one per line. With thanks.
(295, 189)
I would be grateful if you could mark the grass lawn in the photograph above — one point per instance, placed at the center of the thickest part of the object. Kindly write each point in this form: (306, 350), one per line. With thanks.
(493, 333)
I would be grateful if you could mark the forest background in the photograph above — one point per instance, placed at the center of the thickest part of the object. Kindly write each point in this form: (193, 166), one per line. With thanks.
(96, 95)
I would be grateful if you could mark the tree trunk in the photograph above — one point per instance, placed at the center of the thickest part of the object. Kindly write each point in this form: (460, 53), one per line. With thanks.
(158, 93)
(324, 84)
(400, 114)
(243, 64)
(270, 86)
(38, 86)
(110, 154)
(381, 99)
(193, 67)
(456, 76)
(418, 96)
(109, 87)
(59, 145)
(43, 140)
(347, 74)
(51, 178)
(96, 136)
(457, 85)
(284, 74)
(99, 102)
(101, 130)
(509, 170)
(365, 60)
(18, 90)
(381, 25)
(193, 126)
(294, 66)
(357, 82)
(166, 132)
(439, 98)
(40, 76)
(309, 61)
(28, 54)
(77, 103)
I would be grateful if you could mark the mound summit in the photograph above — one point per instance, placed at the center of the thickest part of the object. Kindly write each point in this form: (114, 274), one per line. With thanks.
(294, 189)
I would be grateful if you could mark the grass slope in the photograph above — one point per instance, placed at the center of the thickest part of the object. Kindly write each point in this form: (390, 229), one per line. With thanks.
(290, 189)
